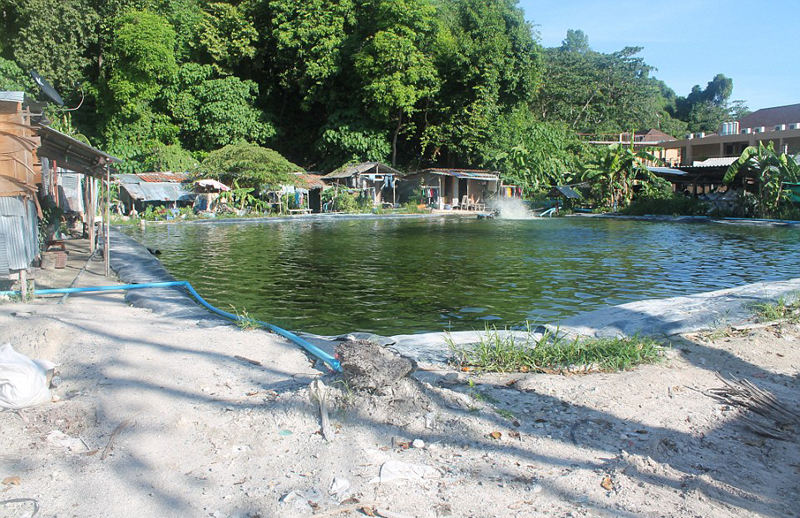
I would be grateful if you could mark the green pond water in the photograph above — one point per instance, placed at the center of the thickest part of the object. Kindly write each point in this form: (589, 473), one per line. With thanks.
(391, 276)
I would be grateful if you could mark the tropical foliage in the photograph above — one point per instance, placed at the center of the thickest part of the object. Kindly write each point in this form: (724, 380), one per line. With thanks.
(770, 170)
(457, 83)
(616, 169)
(249, 165)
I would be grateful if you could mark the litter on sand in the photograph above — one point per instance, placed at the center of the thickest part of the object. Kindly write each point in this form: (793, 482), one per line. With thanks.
(23, 381)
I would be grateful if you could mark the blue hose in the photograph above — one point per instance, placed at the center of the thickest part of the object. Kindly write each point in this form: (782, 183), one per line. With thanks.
(332, 362)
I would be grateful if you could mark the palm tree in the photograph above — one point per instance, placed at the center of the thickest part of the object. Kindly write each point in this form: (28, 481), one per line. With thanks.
(617, 167)
(770, 170)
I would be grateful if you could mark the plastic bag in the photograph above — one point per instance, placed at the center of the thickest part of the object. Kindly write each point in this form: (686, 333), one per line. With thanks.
(23, 382)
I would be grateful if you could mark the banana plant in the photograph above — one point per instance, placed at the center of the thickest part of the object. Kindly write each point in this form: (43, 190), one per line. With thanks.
(770, 171)
(618, 168)
(240, 197)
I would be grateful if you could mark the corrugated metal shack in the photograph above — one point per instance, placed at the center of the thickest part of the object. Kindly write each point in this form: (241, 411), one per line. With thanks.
(169, 189)
(30, 155)
(443, 188)
(375, 180)
(19, 174)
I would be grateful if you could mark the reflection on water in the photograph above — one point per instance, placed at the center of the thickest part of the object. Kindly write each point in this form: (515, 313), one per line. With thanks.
(401, 276)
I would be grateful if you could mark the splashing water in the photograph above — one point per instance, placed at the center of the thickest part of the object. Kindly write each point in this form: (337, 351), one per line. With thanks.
(513, 208)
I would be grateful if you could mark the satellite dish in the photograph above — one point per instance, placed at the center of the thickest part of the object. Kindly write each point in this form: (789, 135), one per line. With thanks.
(46, 88)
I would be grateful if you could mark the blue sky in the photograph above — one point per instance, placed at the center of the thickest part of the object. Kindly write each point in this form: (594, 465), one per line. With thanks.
(690, 41)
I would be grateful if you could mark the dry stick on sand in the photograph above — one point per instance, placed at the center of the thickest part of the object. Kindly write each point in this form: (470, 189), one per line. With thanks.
(248, 360)
(743, 394)
(319, 393)
(110, 445)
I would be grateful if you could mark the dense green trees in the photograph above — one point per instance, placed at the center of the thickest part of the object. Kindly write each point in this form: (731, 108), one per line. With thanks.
(706, 109)
(460, 83)
(593, 92)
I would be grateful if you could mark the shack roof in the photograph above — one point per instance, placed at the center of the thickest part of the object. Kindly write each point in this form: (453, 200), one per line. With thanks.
(166, 176)
(667, 171)
(158, 191)
(309, 181)
(362, 168)
(566, 191)
(14, 97)
(723, 161)
(467, 174)
(72, 153)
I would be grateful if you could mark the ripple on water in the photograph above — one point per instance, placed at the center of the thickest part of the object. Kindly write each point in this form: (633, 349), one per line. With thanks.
(391, 276)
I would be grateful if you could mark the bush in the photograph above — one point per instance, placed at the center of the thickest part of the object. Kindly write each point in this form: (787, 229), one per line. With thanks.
(343, 200)
(671, 204)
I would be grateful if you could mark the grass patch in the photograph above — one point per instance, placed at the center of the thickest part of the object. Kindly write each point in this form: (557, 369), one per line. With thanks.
(506, 414)
(496, 352)
(779, 310)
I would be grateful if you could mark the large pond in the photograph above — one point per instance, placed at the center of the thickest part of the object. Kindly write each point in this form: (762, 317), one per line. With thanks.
(392, 276)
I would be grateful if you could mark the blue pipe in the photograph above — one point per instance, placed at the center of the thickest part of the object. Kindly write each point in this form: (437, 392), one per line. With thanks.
(332, 362)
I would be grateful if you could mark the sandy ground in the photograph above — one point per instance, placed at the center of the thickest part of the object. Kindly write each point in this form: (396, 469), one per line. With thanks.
(167, 417)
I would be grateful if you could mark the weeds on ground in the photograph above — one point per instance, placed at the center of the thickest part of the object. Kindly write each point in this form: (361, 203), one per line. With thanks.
(552, 352)
(505, 414)
(779, 310)
(244, 321)
(348, 396)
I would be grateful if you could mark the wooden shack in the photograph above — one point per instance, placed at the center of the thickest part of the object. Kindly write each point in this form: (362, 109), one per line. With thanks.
(375, 180)
(31, 156)
(20, 172)
(447, 188)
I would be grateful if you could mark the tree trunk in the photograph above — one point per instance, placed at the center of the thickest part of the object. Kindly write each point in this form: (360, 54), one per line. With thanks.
(394, 137)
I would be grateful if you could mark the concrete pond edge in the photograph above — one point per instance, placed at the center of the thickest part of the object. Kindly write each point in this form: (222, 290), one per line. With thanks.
(664, 317)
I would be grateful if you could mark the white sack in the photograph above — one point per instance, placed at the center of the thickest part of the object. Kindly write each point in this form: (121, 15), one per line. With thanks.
(23, 382)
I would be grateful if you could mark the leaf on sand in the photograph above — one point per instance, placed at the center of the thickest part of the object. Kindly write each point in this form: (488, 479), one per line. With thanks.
(11, 481)
(495, 435)
(607, 483)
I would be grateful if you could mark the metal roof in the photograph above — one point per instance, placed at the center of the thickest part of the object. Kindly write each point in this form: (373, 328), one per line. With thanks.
(487, 177)
(771, 117)
(309, 181)
(14, 97)
(166, 176)
(163, 191)
(724, 161)
(73, 154)
(667, 171)
(568, 192)
(468, 174)
(362, 168)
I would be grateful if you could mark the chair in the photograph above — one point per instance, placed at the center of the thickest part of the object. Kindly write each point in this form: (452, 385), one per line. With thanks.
(465, 203)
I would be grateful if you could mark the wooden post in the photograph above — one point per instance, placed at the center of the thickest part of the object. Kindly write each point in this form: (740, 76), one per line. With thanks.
(108, 221)
(91, 212)
(23, 284)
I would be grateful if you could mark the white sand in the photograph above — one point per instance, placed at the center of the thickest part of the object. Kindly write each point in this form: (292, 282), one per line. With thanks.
(202, 433)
